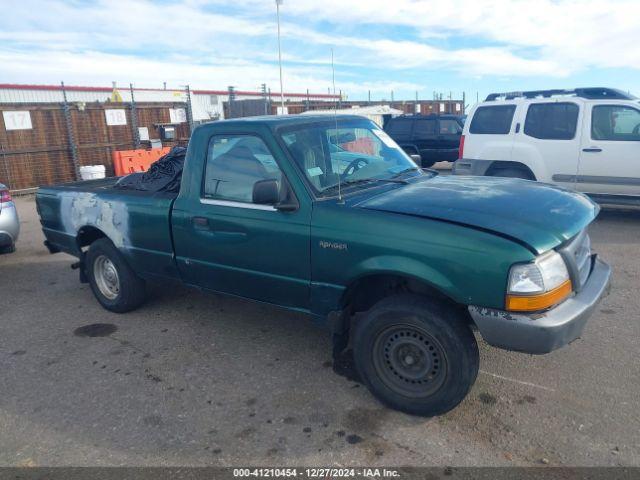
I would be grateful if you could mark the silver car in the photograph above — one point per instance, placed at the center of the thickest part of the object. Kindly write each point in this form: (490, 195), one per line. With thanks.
(9, 223)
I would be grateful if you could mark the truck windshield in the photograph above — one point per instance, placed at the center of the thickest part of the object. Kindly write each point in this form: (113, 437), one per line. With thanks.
(356, 153)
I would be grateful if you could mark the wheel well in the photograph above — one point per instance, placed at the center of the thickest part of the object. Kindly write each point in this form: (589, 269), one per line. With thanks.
(362, 294)
(411, 148)
(501, 165)
(87, 235)
(365, 292)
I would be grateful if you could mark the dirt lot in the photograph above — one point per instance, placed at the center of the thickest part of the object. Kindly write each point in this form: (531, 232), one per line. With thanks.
(195, 379)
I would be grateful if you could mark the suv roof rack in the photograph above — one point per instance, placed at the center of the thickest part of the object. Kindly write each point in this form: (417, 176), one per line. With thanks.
(591, 93)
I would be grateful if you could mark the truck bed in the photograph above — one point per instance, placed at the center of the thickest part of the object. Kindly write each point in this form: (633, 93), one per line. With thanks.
(137, 222)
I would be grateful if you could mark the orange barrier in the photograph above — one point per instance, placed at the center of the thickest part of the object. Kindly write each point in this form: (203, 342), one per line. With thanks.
(130, 161)
(361, 145)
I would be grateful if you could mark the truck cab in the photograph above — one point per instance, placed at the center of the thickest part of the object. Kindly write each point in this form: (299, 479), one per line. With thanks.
(330, 217)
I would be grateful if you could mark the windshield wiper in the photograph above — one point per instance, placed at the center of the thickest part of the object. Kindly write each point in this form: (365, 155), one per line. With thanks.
(415, 169)
(363, 181)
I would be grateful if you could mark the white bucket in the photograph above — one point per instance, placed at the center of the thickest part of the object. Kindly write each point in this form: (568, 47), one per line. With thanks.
(91, 172)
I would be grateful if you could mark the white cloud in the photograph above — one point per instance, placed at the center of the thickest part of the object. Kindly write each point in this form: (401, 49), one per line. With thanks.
(213, 43)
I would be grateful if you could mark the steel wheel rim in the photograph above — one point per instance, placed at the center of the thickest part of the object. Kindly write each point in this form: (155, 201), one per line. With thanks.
(409, 360)
(106, 277)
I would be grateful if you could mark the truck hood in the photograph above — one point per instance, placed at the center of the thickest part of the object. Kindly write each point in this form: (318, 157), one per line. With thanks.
(538, 215)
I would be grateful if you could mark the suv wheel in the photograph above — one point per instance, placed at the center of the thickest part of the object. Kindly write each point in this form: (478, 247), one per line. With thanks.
(428, 163)
(8, 249)
(112, 280)
(512, 172)
(415, 354)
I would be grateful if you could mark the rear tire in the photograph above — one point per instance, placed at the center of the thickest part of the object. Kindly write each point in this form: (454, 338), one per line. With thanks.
(428, 163)
(113, 282)
(8, 249)
(415, 354)
(512, 172)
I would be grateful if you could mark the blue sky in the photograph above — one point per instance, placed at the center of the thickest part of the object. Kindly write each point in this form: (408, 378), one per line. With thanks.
(380, 46)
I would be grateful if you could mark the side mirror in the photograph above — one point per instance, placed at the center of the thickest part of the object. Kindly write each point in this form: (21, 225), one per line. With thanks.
(266, 192)
(416, 158)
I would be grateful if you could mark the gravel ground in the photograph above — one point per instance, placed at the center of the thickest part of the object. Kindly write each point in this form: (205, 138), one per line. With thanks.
(196, 379)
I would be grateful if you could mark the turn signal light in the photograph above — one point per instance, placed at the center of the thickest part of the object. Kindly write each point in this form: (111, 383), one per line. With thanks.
(542, 301)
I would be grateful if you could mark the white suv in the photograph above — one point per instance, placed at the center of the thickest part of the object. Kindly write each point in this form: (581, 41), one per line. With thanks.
(587, 139)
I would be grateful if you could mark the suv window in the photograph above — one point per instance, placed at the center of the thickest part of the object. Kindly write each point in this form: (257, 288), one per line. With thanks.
(492, 120)
(400, 126)
(553, 121)
(615, 122)
(234, 164)
(448, 126)
(424, 128)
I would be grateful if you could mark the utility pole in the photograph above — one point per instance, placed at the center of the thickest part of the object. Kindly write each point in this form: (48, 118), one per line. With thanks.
(263, 90)
(278, 3)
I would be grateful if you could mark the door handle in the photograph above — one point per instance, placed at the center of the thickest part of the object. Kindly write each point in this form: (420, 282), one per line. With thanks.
(592, 150)
(204, 227)
(200, 222)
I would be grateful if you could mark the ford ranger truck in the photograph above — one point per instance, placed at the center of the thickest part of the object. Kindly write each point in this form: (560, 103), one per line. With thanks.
(328, 216)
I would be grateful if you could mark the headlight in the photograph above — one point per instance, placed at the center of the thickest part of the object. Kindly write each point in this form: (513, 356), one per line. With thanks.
(539, 284)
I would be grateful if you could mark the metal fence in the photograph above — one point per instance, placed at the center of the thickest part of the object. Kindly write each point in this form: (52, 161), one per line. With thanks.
(47, 143)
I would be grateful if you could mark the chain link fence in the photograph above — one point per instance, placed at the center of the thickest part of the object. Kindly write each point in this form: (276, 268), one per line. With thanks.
(47, 143)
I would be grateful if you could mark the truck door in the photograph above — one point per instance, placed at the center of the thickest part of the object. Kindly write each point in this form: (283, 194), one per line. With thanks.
(449, 131)
(425, 137)
(226, 243)
(610, 155)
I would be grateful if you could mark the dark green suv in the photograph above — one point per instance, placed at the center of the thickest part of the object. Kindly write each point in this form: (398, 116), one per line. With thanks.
(435, 138)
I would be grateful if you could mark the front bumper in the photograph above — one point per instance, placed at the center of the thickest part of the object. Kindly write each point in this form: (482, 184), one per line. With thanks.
(546, 331)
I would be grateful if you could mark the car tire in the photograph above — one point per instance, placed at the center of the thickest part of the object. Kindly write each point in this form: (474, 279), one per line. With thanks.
(8, 249)
(428, 163)
(512, 173)
(113, 282)
(415, 354)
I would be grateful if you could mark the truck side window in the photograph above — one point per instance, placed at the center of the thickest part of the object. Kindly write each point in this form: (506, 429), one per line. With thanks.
(449, 127)
(400, 126)
(492, 120)
(552, 121)
(615, 122)
(424, 128)
(234, 164)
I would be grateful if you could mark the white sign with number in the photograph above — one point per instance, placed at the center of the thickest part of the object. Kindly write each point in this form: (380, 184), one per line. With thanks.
(116, 117)
(17, 120)
(177, 115)
(143, 133)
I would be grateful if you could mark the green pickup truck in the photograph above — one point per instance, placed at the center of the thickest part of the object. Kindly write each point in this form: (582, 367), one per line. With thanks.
(328, 216)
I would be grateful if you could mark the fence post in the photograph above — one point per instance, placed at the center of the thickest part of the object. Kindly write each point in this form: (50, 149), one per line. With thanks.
(3, 160)
(134, 120)
(189, 110)
(72, 141)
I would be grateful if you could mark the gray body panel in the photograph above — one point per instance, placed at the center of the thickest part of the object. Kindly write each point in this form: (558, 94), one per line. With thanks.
(9, 223)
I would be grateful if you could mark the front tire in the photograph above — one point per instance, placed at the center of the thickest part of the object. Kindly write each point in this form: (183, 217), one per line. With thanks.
(114, 284)
(416, 355)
